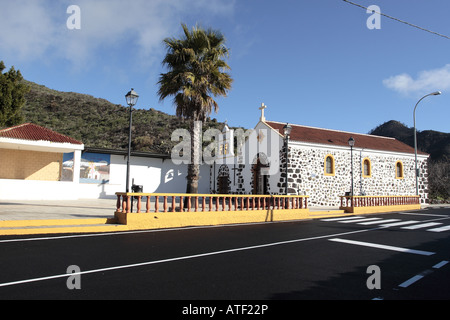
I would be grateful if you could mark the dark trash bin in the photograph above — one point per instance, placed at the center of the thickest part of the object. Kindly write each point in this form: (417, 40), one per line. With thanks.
(135, 188)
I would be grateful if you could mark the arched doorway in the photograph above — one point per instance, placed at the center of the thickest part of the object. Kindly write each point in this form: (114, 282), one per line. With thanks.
(223, 180)
(260, 177)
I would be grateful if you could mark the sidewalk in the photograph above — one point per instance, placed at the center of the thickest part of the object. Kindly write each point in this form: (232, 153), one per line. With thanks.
(78, 216)
(95, 215)
(56, 209)
(99, 208)
(79, 209)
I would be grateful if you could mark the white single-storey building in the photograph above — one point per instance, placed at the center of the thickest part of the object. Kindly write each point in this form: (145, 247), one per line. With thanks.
(31, 160)
(321, 164)
(37, 163)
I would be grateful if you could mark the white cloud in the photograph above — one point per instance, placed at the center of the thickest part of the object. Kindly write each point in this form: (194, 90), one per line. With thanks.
(26, 28)
(35, 30)
(428, 80)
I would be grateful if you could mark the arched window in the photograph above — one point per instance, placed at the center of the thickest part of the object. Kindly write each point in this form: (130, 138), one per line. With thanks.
(398, 170)
(367, 168)
(329, 165)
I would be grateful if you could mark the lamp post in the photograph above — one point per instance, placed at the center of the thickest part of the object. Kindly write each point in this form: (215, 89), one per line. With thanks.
(351, 143)
(287, 132)
(436, 93)
(132, 98)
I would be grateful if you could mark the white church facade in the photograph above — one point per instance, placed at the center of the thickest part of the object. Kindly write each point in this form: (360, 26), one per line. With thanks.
(321, 163)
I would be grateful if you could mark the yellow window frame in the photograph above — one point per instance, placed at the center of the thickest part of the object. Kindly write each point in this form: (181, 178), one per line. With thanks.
(369, 163)
(398, 165)
(325, 171)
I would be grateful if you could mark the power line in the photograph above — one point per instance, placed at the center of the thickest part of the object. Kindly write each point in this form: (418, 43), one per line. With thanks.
(398, 20)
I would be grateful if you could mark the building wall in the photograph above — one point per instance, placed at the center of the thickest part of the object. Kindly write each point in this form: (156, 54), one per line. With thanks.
(155, 175)
(30, 165)
(306, 174)
(261, 143)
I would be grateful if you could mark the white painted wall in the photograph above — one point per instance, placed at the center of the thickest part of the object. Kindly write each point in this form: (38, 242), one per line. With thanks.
(155, 175)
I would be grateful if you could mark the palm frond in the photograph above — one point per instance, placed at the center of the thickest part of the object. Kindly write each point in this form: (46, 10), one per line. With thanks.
(196, 72)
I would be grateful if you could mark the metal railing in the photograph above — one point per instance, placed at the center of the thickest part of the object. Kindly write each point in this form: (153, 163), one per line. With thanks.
(185, 202)
(378, 201)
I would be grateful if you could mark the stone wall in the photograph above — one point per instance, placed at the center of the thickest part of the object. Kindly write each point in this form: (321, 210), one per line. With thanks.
(306, 175)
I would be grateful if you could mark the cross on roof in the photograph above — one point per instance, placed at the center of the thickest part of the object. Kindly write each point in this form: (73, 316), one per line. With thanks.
(263, 106)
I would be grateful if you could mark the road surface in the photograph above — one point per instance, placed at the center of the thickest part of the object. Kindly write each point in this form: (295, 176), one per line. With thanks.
(369, 257)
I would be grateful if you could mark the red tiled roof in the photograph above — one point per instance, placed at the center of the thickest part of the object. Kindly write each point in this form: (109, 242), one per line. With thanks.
(340, 138)
(33, 132)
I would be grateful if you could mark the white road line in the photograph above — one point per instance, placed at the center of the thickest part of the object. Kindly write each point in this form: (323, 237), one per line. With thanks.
(378, 222)
(409, 282)
(341, 219)
(416, 278)
(359, 220)
(382, 246)
(119, 233)
(423, 225)
(440, 229)
(183, 257)
(424, 214)
(440, 264)
(401, 223)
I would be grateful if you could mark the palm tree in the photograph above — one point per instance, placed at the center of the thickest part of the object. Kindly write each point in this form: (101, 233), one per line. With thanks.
(196, 74)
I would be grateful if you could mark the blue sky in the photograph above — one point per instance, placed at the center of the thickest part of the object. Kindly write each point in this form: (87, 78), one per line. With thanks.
(312, 62)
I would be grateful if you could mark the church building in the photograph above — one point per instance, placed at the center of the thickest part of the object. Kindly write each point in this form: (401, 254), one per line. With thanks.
(280, 158)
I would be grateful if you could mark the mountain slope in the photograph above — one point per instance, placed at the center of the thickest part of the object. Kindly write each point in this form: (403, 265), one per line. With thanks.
(437, 144)
(100, 123)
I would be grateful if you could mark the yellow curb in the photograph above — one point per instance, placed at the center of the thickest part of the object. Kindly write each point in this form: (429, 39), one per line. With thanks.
(25, 227)
(51, 222)
(72, 229)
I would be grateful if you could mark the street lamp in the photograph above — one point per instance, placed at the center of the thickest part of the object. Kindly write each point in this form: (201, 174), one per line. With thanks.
(351, 143)
(415, 138)
(287, 132)
(132, 98)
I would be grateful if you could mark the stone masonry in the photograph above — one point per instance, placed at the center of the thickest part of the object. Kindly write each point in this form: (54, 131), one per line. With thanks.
(306, 175)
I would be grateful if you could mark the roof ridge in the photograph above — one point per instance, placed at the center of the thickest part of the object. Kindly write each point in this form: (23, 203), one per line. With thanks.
(14, 127)
(332, 137)
(335, 130)
(46, 134)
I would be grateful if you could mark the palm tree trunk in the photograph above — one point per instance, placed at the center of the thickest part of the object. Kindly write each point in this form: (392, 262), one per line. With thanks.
(194, 166)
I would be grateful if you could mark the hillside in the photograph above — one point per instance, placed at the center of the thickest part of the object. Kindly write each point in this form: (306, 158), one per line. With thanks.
(437, 144)
(100, 123)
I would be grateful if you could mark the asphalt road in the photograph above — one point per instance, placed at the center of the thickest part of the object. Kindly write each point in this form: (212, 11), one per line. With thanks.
(313, 259)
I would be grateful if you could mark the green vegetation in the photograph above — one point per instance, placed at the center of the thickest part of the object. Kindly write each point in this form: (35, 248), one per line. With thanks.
(101, 124)
(12, 99)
